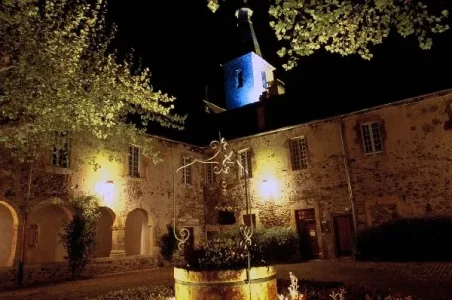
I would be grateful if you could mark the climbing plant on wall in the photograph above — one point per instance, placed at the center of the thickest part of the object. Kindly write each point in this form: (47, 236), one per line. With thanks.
(79, 234)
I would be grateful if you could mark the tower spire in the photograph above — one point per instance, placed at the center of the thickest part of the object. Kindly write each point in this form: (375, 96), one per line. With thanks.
(246, 30)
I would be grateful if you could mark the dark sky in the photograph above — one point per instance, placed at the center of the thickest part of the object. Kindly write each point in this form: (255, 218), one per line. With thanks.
(183, 44)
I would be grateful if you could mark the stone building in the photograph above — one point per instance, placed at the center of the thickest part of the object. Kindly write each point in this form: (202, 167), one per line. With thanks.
(325, 176)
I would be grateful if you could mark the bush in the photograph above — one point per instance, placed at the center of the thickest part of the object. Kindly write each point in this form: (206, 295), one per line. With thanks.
(414, 239)
(278, 244)
(223, 254)
(140, 293)
(168, 243)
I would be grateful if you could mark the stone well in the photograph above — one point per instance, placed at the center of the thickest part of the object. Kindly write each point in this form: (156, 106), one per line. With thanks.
(228, 284)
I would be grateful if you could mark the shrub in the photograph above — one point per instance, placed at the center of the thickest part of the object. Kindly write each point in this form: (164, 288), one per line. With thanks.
(414, 239)
(278, 244)
(223, 254)
(139, 293)
(79, 234)
(168, 243)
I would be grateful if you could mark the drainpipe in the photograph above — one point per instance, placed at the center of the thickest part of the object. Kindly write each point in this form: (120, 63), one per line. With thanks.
(24, 227)
(347, 174)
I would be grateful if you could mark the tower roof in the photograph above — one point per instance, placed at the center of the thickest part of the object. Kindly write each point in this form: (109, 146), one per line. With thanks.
(248, 40)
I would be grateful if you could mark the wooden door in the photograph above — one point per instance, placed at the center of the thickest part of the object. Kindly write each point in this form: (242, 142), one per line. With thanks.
(307, 230)
(343, 233)
(190, 244)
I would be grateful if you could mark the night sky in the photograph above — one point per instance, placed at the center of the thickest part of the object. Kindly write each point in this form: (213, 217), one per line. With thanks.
(183, 44)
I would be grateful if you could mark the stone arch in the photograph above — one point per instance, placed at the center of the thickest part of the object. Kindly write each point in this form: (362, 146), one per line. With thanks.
(139, 233)
(9, 223)
(48, 215)
(104, 232)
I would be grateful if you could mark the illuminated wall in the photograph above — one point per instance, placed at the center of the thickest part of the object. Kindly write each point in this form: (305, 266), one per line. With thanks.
(245, 79)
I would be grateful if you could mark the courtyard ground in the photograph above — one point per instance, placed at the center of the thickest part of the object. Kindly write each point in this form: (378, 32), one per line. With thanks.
(428, 280)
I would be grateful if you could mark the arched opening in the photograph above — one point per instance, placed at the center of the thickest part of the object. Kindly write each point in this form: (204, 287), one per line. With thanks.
(104, 232)
(137, 240)
(8, 234)
(46, 246)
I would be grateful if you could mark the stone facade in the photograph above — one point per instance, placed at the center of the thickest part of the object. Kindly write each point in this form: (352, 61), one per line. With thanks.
(135, 211)
(340, 189)
(410, 177)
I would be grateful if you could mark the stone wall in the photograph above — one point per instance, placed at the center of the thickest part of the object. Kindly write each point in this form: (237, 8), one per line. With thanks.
(321, 186)
(121, 195)
(410, 178)
(53, 272)
(414, 171)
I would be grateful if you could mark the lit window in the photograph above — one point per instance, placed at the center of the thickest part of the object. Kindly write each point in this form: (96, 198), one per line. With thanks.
(210, 175)
(371, 137)
(245, 160)
(298, 153)
(134, 161)
(186, 175)
(60, 150)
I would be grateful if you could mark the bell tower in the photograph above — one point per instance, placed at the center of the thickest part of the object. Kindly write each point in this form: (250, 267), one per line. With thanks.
(248, 76)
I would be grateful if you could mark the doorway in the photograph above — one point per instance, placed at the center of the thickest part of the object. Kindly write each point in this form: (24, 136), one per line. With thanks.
(306, 225)
(343, 234)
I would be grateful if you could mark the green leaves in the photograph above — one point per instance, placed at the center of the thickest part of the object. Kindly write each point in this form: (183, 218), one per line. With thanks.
(348, 27)
(60, 76)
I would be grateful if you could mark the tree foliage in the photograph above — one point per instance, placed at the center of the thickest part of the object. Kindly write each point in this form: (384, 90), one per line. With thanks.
(347, 26)
(57, 74)
(79, 235)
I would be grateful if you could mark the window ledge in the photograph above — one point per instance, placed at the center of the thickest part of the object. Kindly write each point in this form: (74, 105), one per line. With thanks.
(138, 179)
(373, 154)
(59, 170)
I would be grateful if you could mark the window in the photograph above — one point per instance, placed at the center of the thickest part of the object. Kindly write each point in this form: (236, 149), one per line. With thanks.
(60, 151)
(298, 153)
(33, 235)
(134, 161)
(210, 175)
(240, 79)
(245, 160)
(371, 136)
(264, 79)
(186, 175)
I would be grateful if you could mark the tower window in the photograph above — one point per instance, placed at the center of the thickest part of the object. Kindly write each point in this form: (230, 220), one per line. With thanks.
(240, 79)
(264, 79)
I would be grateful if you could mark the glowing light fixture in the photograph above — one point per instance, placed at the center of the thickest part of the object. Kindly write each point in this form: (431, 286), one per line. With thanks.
(108, 193)
(269, 188)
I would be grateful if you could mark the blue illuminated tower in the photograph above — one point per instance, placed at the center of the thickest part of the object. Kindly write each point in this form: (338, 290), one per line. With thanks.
(248, 76)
